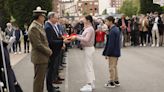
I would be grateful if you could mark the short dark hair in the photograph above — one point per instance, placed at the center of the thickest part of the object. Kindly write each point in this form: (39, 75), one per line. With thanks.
(89, 17)
(110, 18)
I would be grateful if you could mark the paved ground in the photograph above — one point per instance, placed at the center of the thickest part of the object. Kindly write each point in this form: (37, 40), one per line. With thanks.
(16, 58)
(140, 70)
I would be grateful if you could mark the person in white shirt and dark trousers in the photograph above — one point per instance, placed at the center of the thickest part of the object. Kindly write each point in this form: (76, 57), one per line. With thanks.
(156, 29)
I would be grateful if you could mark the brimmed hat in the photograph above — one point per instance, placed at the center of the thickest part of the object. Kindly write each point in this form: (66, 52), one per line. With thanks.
(39, 10)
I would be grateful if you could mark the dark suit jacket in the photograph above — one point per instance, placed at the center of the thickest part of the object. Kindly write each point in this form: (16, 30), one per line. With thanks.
(160, 24)
(112, 48)
(134, 25)
(55, 42)
(120, 23)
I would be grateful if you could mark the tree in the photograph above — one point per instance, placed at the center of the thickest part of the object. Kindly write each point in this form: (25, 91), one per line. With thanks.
(21, 10)
(104, 12)
(162, 8)
(4, 14)
(136, 3)
(85, 13)
(146, 6)
(128, 8)
(67, 14)
(156, 7)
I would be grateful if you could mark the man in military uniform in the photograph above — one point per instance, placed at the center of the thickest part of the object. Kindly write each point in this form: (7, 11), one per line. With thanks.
(40, 50)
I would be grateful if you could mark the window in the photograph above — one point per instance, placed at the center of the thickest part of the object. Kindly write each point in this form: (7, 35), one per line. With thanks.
(86, 3)
(79, 4)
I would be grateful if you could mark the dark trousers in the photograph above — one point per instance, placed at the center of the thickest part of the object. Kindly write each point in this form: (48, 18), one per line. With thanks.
(134, 37)
(26, 46)
(143, 36)
(16, 44)
(150, 35)
(61, 57)
(52, 73)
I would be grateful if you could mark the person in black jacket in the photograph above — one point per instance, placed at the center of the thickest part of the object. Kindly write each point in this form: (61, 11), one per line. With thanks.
(56, 42)
(79, 27)
(123, 24)
(26, 40)
(112, 52)
(17, 34)
(134, 31)
(151, 19)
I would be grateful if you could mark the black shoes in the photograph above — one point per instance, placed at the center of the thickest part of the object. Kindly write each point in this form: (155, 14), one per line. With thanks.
(111, 84)
(117, 83)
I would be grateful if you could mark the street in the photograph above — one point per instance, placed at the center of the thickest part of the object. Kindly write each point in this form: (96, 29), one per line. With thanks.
(140, 70)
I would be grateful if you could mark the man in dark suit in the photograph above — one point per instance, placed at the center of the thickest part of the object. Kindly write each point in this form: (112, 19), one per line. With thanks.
(55, 43)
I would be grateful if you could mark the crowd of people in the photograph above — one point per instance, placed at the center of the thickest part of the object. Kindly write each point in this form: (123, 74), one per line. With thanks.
(138, 30)
(14, 31)
(141, 30)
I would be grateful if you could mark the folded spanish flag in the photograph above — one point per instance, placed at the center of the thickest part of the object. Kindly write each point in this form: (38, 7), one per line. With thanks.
(69, 36)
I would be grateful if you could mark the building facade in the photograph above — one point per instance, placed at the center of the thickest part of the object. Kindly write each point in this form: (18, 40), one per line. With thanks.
(85, 7)
(160, 2)
(56, 5)
(116, 3)
(62, 6)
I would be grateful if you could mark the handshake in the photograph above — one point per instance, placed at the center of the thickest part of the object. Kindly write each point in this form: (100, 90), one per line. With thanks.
(68, 39)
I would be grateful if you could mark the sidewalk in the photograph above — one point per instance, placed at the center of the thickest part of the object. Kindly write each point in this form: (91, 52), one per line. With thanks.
(135, 68)
(16, 58)
(24, 71)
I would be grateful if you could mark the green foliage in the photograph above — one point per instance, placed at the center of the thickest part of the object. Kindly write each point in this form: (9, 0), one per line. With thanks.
(85, 13)
(128, 8)
(162, 8)
(4, 14)
(104, 12)
(146, 6)
(21, 10)
(156, 7)
(67, 14)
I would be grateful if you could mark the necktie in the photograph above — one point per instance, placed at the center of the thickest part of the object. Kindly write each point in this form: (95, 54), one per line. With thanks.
(57, 30)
